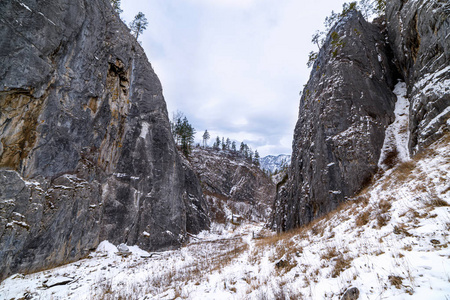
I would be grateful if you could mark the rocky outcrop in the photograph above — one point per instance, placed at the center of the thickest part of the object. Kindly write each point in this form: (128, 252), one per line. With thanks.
(419, 32)
(86, 152)
(233, 185)
(344, 110)
(347, 104)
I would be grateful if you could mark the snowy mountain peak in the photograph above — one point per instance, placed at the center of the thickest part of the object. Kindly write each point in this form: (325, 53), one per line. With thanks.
(272, 163)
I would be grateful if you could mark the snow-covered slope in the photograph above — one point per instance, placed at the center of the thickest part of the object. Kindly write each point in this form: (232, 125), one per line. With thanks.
(272, 163)
(390, 242)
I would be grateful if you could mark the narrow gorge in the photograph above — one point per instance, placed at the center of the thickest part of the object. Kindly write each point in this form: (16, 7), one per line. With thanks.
(88, 157)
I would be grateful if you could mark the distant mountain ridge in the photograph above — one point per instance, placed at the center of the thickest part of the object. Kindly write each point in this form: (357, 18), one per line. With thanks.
(232, 185)
(272, 162)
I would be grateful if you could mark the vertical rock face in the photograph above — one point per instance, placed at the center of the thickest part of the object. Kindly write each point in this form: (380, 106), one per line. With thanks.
(86, 152)
(348, 102)
(344, 110)
(419, 32)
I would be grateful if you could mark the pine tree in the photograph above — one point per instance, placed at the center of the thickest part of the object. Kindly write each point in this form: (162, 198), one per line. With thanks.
(217, 143)
(380, 7)
(223, 144)
(206, 137)
(228, 144)
(183, 132)
(176, 126)
(242, 148)
(317, 38)
(312, 58)
(187, 136)
(348, 7)
(256, 160)
(367, 8)
(233, 146)
(139, 24)
(116, 6)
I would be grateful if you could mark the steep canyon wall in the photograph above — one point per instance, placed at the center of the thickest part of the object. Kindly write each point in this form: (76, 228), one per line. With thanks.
(86, 152)
(348, 103)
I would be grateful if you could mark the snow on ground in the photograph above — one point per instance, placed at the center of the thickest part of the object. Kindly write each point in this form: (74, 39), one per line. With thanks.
(391, 242)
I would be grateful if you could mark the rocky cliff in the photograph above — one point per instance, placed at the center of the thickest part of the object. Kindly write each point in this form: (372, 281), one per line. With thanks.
(419, 33)
(233, 185)
(86, 152)
(344, 110)
(348, 103)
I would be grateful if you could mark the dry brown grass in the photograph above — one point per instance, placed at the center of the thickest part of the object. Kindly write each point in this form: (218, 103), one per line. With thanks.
(385, 205)
(404, 170)
(383, 219)
(330, 253)
(286, 265)
(401, 229)
(429, 151)
(436, 201)
(396, 281)
(383, 216)
(407, 247)
(342, 263)
(363, 218)
(391, 158)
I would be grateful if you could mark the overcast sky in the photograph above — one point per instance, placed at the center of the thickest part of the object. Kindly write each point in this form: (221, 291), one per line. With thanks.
(233, 67)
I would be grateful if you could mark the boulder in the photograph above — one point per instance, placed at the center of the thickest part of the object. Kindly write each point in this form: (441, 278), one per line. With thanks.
(351, 294)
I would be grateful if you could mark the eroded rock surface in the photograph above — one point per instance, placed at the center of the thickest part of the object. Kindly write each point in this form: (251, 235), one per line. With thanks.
(344, 110)
(347, 104)
(86, 152)
(419, 32)
(233, 184)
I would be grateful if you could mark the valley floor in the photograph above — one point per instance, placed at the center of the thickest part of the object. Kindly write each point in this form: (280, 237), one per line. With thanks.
(390, 242)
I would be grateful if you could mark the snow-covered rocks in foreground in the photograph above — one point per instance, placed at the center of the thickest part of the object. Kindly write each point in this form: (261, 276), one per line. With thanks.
(390, 242)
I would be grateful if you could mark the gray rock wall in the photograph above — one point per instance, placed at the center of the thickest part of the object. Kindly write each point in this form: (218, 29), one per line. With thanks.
(344, 110)
(419, 32)
(86, 152)
(347, 104)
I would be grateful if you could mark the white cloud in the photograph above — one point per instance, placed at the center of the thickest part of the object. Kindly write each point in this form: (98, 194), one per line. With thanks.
(234, 67)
